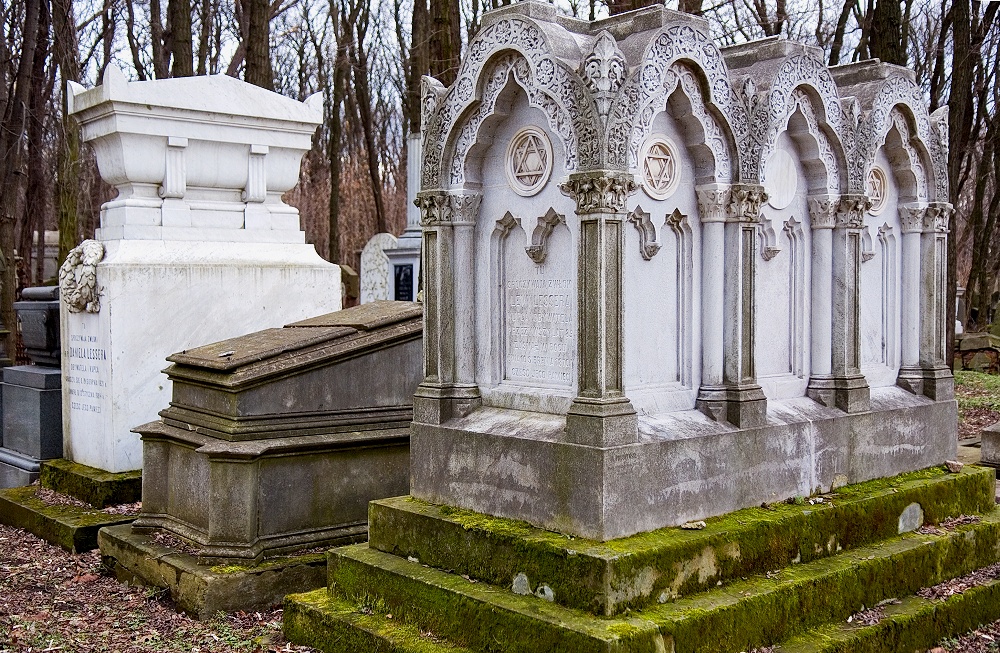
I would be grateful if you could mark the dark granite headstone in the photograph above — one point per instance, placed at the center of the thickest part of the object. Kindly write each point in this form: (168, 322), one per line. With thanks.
(403, 275)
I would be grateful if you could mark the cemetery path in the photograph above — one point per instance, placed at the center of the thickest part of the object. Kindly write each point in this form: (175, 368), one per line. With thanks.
(51, 600)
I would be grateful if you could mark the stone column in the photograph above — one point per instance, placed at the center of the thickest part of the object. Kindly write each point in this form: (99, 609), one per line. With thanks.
(822, 219)
(911, 219)
(448, 390)
(938, 382)
(729, 215)
(712, 202)
(851, 393)
(601, 415)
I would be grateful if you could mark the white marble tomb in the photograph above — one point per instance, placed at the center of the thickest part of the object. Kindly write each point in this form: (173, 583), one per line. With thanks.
(196, 247)
(665, 280)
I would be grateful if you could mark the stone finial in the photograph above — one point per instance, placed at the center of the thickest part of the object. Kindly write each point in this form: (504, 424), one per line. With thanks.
(600, 191)
(604, 70)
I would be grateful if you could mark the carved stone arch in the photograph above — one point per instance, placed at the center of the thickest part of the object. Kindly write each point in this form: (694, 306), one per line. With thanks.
(797, 78)
(818, 141)
(550, 84)
(901, 94)
(656, 78)
(908, 157)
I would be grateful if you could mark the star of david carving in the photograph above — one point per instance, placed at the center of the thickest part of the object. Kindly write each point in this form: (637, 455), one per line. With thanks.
(530, 160)
(659, 168)
(877, 189)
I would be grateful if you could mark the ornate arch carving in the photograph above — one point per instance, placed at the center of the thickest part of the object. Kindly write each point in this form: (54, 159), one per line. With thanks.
(785, 95)
(900, 93)
(550, 84)
(652, 82)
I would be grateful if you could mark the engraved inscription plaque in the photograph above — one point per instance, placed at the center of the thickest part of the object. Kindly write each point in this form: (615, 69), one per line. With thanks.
(403, 282)
(540, 331)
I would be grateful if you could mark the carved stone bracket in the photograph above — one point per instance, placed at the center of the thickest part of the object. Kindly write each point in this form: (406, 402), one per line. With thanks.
(867, 245)
(540, 234)
(649, 237)
(599, 191)
(439, 207)
(506, 224)
(745, 201)
(768, 239)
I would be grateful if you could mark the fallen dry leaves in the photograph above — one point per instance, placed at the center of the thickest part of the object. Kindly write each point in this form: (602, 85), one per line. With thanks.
(51, 600)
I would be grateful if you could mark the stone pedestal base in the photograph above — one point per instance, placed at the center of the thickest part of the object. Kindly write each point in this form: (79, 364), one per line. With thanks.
(244, 500)
(684, 466)
(162, 297)
(851, 394)
(741, 406)
(939, 383)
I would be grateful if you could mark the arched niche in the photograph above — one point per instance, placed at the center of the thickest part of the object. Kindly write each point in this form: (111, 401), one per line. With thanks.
(899, 174)
(662, 263)
(524, 300)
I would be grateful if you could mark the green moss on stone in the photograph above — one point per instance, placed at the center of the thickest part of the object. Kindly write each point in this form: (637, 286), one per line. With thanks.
(630, 573)
(270, 563)
(94, 486)
(74, 529)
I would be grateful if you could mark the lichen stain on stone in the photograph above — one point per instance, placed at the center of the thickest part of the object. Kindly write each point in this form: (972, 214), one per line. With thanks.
(521, 585)
(639, 584)
(705, 565)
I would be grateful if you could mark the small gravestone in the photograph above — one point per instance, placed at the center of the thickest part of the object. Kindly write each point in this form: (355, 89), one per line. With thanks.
(31, 394)
(376, 270)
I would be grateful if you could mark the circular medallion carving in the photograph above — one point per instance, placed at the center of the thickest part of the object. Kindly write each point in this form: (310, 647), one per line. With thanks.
(529, 161)
(782, 179)
(877, 187)
(660, 169)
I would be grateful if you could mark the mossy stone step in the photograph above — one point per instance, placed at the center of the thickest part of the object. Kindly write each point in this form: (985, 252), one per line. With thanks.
(607, 578)
(748, 613)
(914, 624)
(328, 624)
(74, 529)
(91, 485)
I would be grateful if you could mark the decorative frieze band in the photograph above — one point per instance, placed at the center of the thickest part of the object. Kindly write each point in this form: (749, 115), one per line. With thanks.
(599, 191)
(439, 207)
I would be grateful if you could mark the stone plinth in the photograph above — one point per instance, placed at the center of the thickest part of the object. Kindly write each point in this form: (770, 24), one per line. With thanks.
(279, 439)
(197, 246)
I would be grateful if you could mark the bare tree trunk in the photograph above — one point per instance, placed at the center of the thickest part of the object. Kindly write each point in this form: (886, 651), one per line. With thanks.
(419, 63)
(161, 54)
(68, 168)
(838, 34)
(444, 43)
(179, 26)
(32, 218)
(258, 52)
(205, 36)
(886, 27)
(362, 90)
(11, 171)
(133, 43)
(341, 67)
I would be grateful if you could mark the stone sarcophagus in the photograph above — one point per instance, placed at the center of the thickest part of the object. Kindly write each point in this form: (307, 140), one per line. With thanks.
(665, 280)
(277, 440)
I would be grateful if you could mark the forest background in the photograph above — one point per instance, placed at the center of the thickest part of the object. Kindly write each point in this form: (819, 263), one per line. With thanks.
(367, 56)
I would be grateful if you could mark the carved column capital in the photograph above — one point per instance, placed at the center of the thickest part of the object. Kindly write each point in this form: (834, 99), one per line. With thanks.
(443, 207)
(712, 202)
(911, 217)
(937, 216)
(745, 201)
(599, 191)
(851, 211)
(823, 211)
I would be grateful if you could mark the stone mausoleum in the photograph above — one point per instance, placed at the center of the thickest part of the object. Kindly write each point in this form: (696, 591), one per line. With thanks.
(665, 281)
